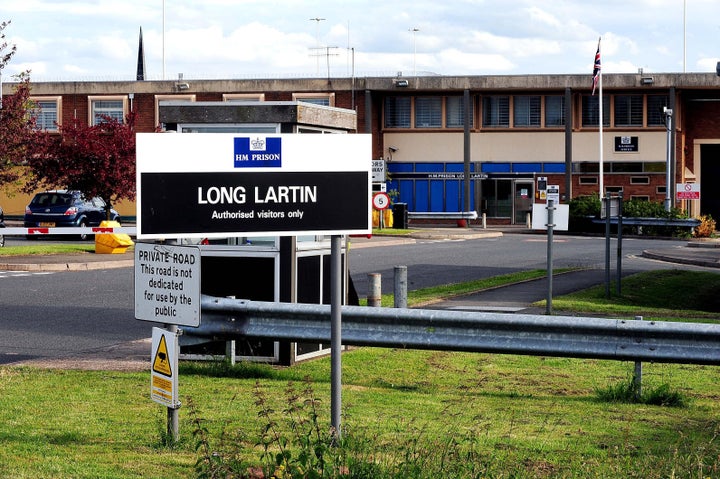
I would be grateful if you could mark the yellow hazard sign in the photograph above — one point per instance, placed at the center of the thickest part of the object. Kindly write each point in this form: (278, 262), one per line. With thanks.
(161, 363)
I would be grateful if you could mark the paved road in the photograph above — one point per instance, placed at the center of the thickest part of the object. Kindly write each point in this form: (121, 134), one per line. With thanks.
(64, 307)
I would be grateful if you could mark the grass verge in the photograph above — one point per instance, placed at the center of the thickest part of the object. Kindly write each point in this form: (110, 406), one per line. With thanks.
(665, 294)
(40, 249)
(407, 413)
(434, 294)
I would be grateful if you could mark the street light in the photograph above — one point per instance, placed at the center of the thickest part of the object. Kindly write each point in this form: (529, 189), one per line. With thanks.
(668, 175)
(414, 31)
(317, 39)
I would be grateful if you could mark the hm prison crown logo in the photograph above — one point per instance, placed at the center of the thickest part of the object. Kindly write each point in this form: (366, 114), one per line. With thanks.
(257, 152)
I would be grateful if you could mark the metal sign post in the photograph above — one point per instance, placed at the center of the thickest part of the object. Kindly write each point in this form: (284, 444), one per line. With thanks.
(550, 226)
(335, 335)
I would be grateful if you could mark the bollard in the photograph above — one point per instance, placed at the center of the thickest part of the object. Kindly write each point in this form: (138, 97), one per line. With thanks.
(484, 221)
(374, 298)
(400, 289)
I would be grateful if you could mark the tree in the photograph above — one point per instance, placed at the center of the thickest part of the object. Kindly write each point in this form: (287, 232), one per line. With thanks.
(17, 127)
(98, 160)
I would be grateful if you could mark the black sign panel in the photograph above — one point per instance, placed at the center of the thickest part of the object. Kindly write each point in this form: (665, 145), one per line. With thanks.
(239, 202)
(626, 144)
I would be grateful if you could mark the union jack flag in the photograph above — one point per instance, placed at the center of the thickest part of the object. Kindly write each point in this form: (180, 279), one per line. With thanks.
(596, 68)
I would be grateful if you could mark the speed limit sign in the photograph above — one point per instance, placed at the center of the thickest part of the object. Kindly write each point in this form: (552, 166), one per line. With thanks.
(380, 201)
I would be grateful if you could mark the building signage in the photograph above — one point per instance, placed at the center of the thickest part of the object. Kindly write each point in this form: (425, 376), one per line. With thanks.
(626, 144)
(222, 185)
(167, 284)
(687, 191)
(401, 175)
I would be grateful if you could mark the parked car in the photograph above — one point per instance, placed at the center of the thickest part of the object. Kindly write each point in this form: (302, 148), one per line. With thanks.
(61, 208)
(2, 225)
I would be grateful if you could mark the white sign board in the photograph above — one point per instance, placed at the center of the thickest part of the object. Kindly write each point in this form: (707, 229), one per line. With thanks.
(164, 368)
(561, 216)
(687, 191)
(167, 284)
(378, 171)
(553, 193)
(216, 185)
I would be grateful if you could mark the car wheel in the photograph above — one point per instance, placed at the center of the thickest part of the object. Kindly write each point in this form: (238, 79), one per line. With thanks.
(83, 236)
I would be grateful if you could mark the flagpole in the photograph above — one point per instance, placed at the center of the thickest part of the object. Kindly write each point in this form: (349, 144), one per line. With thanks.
(600, 111)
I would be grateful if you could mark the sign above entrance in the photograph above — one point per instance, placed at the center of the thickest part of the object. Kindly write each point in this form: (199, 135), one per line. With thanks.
(222, 185)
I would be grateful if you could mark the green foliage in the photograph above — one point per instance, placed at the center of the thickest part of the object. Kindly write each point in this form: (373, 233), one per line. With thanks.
(293, 445)
(631, 392)
(584, 206)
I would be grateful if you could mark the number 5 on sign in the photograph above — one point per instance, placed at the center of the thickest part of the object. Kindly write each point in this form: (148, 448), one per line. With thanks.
(380, 201)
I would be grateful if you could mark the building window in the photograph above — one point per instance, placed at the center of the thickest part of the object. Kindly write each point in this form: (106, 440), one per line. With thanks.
(428, 112)
(240, 97)
(526, 111)
(323, 99)
(656, 105)
(397, 112)
(496, 111)
(591, 110)
(103, 108)
(455, 112)
(639, 180)
(588, 180)
(628, 110)
(46, 111)
(554, 111)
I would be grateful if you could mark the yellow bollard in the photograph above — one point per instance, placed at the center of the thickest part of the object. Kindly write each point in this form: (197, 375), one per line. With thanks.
(112, 243)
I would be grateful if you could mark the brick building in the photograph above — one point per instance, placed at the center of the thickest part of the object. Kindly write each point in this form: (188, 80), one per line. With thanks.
(518, 129)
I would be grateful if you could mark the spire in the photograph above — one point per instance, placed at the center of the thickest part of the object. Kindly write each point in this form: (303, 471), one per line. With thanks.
(141, 60)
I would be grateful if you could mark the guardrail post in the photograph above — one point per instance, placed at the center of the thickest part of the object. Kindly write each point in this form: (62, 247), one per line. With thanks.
(637, 375)
(374, 298)
(230, 347)
(400, 287)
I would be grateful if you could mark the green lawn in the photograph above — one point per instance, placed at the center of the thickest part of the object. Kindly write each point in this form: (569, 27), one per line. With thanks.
(406, 414)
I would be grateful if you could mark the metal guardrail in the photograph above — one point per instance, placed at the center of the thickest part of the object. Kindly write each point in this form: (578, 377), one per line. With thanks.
(640, 221)
(522, 334)
(443, 215)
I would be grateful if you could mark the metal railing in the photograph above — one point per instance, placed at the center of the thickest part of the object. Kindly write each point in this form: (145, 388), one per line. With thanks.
(522, 334)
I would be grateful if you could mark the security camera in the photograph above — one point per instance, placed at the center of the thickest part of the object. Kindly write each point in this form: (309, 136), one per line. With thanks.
(393, 149)
(667, 111)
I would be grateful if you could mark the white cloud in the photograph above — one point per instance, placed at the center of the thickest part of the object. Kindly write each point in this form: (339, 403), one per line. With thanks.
(222, 38)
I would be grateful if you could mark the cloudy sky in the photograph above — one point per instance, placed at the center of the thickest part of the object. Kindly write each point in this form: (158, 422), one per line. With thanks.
(90, 40)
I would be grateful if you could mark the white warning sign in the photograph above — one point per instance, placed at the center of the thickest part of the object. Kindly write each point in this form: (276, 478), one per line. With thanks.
(167, 284)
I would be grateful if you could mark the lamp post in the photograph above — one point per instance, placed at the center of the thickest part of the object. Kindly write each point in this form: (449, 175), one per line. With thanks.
(414, 32)
(668, 167)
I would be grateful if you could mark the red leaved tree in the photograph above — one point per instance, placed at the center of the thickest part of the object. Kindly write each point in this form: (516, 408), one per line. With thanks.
(17, 127)
(98, 160)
